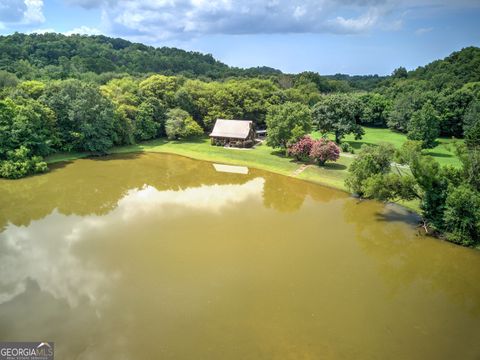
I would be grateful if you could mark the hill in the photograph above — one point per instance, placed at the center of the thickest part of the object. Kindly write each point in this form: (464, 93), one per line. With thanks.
(54, 55)
(459, 68)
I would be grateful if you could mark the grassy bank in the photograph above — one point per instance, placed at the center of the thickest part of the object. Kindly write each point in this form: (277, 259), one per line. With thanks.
(265, 158)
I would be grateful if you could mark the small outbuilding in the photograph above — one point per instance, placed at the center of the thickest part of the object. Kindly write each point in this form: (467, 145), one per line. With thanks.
(236, 133)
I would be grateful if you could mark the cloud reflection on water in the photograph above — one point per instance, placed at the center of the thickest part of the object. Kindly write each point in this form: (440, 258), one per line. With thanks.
(45, 251)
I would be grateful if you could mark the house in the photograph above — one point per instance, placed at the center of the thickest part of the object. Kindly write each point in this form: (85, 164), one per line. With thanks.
(236, 133)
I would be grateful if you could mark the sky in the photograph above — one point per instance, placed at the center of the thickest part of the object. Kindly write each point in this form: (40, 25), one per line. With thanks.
(326, 36)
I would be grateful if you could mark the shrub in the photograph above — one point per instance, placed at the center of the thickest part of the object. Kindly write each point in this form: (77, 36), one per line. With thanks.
(19, 164)
(191, 128)
(180, 124)
(323, 151)
(300, 151)
(346, 147)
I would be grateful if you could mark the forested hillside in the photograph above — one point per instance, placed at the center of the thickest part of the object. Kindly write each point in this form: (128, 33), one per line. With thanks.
(455, 70)
(57, 56)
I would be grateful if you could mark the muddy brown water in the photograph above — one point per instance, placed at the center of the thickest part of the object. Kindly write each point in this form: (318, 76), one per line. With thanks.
(161, 257)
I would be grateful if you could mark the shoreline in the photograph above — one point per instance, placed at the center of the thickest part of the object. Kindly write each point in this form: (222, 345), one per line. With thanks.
(332, 175)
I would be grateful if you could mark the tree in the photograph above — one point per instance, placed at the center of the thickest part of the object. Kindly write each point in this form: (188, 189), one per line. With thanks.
(374, 109)
(85, 118)
(150, 119)
(145, 126)
(452, 108)
(400, 73)
(470, 158)
(161, 87)
(34, 127)
(462, 215)
(471, 125)
(287, 123)
(338, 113)
(180, 124)
(424, 126)
(32, 89)
(29, 124)
(371, 177)
(7, 79)
(7, 114)
(300, 150)
(324, 150)
(370, 161)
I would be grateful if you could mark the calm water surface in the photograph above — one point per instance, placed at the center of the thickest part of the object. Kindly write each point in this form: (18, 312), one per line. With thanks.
(161, 257)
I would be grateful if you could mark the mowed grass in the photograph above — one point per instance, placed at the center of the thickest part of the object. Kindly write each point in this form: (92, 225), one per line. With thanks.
(261, 157)
(444, 152)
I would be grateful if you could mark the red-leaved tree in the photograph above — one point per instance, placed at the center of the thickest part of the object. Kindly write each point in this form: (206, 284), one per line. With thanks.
(300, 151)
(324, 150)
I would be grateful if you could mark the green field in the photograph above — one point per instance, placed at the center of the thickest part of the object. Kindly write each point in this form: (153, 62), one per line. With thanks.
(444, 153)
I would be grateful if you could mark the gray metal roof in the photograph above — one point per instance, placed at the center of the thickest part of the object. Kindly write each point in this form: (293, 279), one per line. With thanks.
(237, 129)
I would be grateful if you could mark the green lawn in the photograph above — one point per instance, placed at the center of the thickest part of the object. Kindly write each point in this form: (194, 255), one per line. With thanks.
(443, 153)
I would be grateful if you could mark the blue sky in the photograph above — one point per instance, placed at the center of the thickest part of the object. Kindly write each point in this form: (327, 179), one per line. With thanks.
(327, 36)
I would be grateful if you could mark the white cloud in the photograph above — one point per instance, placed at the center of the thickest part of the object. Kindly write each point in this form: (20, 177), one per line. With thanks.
(83, 30)
(21, 12)
(46, 251)
(42, 31)
(151, 20)
(34, 12)
(161, 19)
(355, 25)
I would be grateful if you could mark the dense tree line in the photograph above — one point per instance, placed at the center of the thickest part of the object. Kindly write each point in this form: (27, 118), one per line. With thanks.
(38, 118)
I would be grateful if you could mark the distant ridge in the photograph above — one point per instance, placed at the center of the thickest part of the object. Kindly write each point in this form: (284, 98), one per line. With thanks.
(100, 54)
(57, 56)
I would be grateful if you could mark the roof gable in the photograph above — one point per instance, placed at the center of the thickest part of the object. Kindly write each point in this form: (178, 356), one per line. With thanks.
(238, 129)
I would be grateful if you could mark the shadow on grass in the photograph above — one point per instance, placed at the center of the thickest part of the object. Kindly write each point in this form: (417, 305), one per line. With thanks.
(333, 166)
(358, 144)
(440, 155)
(187, 141)
(279, 153)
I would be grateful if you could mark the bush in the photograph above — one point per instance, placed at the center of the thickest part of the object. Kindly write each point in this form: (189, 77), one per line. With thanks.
(180, 124)
(191, 128)
(346, 147)
(300, 151)
(323, 151)
(319, 151)
(19, 164)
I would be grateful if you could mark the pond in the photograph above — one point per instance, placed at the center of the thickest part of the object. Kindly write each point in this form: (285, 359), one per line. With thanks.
(147, 256)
